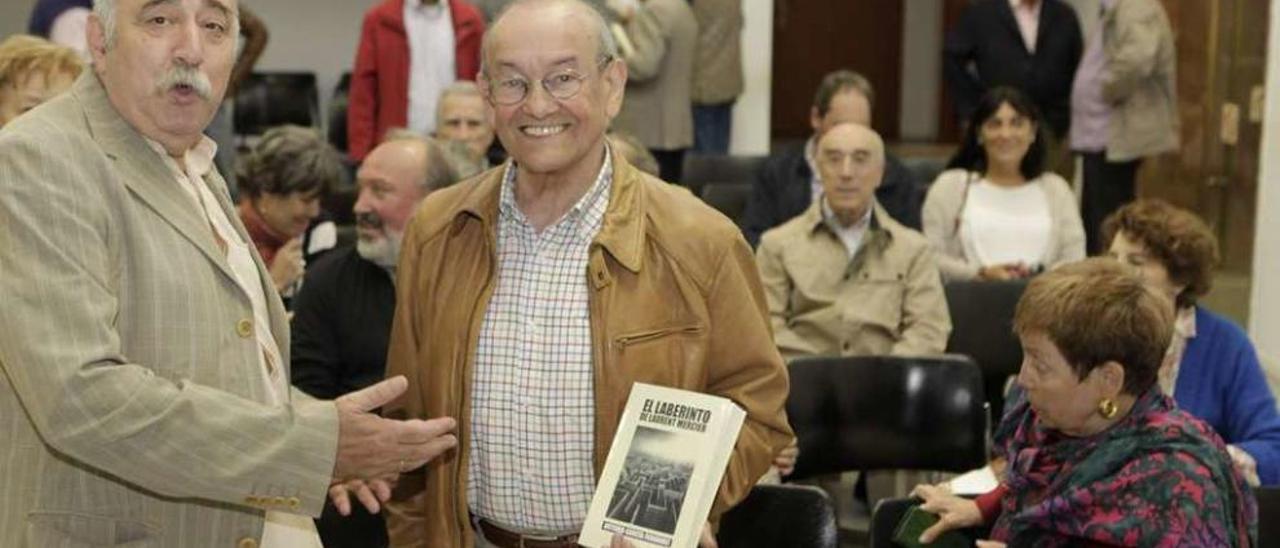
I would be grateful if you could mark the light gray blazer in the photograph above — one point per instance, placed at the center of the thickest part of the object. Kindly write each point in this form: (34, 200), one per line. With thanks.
(132, 409)
(658, 105)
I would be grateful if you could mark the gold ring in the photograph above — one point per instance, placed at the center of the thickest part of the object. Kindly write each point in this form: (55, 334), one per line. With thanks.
(401, 468)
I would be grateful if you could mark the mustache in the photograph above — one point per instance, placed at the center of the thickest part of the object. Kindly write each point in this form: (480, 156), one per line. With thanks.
(186, 75)
(369, 220)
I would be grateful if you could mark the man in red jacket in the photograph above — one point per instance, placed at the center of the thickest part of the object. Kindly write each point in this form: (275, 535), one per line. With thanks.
(409, 51)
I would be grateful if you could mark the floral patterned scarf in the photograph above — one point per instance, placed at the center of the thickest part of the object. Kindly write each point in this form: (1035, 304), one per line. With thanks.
(1159, 477)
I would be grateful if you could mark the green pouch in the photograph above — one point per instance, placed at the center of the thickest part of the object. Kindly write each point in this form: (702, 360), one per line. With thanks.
(915, 521)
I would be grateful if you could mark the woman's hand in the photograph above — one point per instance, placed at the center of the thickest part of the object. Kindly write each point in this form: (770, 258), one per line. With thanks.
(287, 266)
(953, 512)
(1245, 464)
(1004, 271)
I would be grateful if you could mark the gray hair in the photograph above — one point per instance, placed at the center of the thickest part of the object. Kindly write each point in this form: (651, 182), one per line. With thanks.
(463, 88)
(290, 159)
(607, 46)
(440, 172)
(106, 12)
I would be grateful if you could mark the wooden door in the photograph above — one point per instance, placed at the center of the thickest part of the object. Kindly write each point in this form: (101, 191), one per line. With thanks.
(814, 37)
(1221, 47)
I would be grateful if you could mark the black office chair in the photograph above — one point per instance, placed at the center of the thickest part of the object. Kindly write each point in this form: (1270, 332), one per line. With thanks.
(924, 169)
(780, 516)
(1268, 515)
(728, 198)
(700, 169)
(338, 113)
(269, 99)
(982, 328)
(887, 412)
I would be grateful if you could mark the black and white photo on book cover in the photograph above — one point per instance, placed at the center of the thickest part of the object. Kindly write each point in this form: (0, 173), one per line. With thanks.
(654, 480)
(664, 467)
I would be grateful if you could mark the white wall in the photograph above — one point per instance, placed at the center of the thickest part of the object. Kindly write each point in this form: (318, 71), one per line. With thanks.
(1264, 306)
(13, 16)
(751, 113)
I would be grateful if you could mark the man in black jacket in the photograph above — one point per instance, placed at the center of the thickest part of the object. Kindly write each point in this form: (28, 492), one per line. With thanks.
(342, 313)
(1032, 45)
(788, 184)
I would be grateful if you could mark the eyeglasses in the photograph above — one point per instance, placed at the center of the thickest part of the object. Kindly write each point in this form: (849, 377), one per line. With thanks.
(561, 84)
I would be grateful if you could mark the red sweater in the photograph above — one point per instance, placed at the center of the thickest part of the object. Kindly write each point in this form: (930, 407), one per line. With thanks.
(379, 95)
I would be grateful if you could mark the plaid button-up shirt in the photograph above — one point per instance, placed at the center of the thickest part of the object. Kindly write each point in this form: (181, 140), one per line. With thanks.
(533, 408)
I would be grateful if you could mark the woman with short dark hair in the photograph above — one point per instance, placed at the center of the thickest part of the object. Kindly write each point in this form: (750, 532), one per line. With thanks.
(995, 213)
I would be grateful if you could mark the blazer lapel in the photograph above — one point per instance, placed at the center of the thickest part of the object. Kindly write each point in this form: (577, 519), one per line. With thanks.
(143, 171)
(1011, 24)
(275, 307)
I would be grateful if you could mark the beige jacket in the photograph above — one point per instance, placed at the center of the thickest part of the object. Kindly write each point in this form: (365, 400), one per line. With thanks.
(717, 65)
(657, 109)
(133, 409)
(942, 227)
(674, 300)
(887, 300)
(1140, 81)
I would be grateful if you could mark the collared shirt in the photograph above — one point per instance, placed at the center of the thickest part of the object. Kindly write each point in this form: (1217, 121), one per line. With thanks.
(815, 180)
(850, 236)
(533, 405)
(431, 58)
(196, 164)
(1090, 112)
(1027, 14)
(1184, 329)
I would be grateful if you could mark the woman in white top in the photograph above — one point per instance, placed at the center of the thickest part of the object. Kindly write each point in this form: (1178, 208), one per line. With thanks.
(995, 213)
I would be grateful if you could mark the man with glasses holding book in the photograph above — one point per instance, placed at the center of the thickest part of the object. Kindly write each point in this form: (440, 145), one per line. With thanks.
(530, 300)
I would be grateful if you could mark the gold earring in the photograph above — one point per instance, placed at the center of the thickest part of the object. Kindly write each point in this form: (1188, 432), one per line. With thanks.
(1108, 408)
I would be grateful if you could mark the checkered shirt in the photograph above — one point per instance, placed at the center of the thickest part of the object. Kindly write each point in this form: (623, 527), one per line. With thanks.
(532, 398)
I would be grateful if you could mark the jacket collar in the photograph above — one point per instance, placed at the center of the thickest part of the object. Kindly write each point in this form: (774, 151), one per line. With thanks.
(878, 231)
(143, 171)
(621, 235)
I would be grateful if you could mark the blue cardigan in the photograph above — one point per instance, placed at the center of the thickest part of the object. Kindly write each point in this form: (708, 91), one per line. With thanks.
(1221, 382)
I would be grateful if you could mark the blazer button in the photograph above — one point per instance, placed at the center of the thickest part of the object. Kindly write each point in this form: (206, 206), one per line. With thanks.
(244, 328)
(294, 503)
(251, 500)
(247, 542)
(277, 501)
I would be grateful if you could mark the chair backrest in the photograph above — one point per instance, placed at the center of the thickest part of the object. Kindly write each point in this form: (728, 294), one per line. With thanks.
(727, 198)
(887, 412)
(268, 99)
(774, 516)
(700, 169)
(982, 328)
(338, 113)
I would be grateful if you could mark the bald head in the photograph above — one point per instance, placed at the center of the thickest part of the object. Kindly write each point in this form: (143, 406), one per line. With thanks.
(850, 159)
(573, 15)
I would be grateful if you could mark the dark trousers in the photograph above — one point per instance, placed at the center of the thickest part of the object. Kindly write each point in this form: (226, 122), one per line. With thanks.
(712, 125)
(670, 163)
(1107, 186)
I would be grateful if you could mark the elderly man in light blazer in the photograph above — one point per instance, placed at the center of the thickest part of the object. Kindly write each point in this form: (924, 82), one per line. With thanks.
(144, 400)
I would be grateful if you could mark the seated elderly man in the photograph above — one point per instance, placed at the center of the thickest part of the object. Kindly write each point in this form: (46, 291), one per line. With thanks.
(844, 278)
(342, 314)
(32, 70)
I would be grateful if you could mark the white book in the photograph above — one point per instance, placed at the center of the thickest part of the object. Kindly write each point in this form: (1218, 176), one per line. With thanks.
(664, 468)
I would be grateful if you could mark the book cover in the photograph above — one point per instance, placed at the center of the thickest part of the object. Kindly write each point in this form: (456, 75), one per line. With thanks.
(664, 468)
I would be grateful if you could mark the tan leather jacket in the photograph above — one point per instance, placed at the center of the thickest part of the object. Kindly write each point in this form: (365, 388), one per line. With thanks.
(675, 300)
